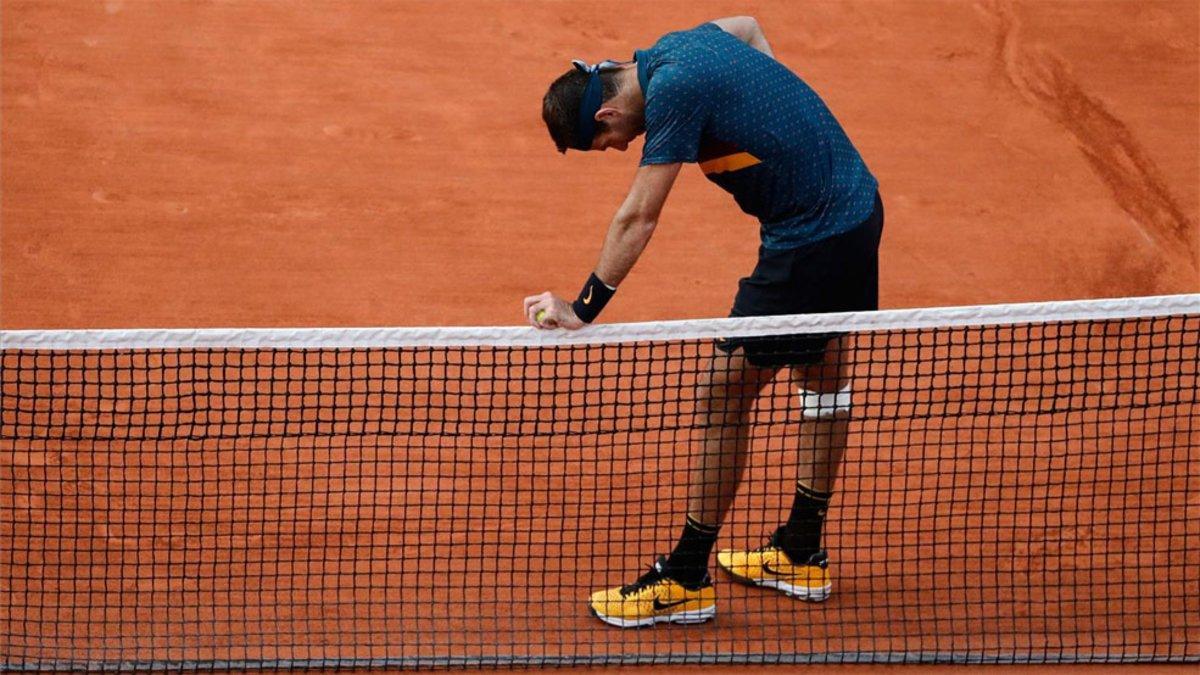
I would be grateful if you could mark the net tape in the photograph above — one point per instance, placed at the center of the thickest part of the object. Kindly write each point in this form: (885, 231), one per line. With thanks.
(499, 336)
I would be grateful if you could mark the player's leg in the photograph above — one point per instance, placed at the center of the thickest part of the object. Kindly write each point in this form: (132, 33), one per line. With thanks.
(836, 274)
(825, 400)
(678, 588)
(792, 560)
(724, 398)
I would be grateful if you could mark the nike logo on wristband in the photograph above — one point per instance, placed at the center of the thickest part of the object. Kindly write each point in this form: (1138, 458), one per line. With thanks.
(588, 299)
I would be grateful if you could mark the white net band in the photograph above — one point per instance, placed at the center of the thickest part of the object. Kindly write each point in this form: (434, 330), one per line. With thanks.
(520, 336)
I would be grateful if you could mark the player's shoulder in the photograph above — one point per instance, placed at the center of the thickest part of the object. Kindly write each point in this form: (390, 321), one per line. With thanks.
(688, 36)
(684, 61)
(685, 47)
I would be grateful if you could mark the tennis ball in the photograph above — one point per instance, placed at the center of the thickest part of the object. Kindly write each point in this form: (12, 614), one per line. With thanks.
(540, 315)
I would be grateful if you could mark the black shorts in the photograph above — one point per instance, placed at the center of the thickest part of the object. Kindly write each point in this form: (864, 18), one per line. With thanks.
(838, 274)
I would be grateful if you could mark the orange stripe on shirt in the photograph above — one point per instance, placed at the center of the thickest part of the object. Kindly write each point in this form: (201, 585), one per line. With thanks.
(733, 162)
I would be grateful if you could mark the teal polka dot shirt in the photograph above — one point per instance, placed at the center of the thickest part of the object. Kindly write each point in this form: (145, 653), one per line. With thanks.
(755, 129)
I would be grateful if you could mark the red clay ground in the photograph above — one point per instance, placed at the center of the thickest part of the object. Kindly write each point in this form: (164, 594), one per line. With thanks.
(370, 163)
(376, 163)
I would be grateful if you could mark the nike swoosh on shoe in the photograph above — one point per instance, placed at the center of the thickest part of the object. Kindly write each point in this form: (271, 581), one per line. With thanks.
(660, 605)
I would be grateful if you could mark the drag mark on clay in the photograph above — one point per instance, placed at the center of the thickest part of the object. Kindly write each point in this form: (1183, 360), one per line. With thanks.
(1115, 155)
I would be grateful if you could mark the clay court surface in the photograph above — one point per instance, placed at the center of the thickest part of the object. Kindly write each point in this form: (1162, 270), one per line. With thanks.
(377, 163)
(260, 163)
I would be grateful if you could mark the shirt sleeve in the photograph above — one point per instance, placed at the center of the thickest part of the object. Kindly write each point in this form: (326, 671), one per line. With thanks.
(676, 111)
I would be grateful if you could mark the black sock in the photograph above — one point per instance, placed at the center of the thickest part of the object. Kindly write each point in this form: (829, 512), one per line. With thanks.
(802, 533)
(688, 563)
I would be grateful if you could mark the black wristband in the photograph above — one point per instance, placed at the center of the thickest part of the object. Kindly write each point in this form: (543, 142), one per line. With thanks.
(594, 296)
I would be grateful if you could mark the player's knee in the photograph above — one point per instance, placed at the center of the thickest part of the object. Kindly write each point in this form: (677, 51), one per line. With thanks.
(726, 380)
(818, 406)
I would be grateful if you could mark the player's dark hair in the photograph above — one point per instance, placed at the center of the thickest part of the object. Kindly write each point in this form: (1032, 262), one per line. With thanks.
(560, 106)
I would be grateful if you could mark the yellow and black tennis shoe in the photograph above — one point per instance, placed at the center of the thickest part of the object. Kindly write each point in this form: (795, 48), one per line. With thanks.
(770, 567)
(655, 598)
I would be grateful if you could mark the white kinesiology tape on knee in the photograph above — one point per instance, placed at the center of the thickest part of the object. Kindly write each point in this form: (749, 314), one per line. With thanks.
(817, 406)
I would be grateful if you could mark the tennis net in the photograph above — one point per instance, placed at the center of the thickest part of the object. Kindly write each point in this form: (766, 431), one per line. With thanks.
(1020, 483)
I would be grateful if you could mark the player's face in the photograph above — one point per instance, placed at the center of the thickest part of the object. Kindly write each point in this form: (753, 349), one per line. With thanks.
(608, 140)
(617, 131)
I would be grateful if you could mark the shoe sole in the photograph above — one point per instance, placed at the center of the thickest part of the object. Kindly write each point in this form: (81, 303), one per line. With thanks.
(805, 593)
(689, 617)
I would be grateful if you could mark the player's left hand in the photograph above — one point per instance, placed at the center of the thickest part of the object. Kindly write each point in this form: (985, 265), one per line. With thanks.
(550, 311)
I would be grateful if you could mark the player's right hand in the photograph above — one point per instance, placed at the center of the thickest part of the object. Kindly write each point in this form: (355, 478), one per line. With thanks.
(557, 312)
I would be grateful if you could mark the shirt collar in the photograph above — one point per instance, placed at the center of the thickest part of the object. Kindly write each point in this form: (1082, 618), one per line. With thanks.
(642, 57)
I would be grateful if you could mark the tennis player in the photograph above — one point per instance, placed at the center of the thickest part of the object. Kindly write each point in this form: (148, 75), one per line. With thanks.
(714, 95)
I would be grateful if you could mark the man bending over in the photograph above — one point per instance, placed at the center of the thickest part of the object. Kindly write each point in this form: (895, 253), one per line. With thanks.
(715, 96)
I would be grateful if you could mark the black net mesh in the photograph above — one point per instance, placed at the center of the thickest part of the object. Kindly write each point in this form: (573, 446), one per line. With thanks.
(1010, 493)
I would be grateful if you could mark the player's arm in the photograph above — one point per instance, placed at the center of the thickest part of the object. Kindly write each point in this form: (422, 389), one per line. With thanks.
(628, 234)
(635, 221)
(746, 29)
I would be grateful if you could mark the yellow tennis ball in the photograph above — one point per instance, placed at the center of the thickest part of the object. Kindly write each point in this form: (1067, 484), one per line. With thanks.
(540, 315)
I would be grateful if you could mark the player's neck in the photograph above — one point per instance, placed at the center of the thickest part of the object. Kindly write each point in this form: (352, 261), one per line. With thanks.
(631, 89)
